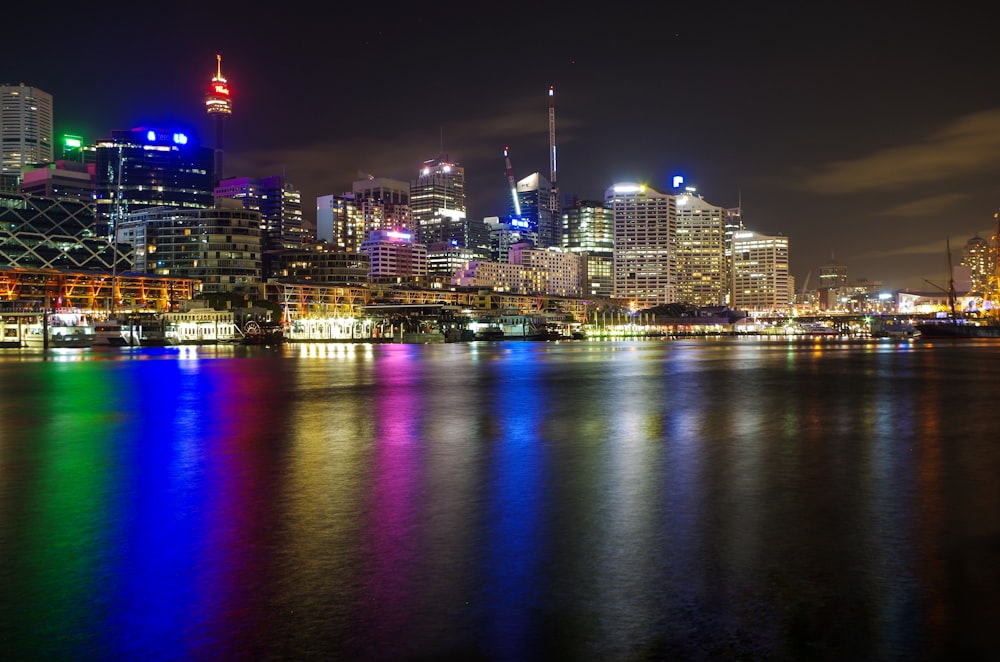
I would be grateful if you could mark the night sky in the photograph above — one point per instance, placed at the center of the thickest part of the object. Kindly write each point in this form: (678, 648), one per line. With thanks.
(868, 136)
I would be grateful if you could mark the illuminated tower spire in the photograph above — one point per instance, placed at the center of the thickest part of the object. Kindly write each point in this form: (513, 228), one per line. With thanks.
(218, 104)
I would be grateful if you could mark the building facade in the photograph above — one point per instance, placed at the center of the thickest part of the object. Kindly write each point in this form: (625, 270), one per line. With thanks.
(142, 168)
(438, 202)
(26, 131)
(588, 230)
(703, 276)
(394, 257)
(220, 245)
(62, 179)
(645, 231)
(761, 277)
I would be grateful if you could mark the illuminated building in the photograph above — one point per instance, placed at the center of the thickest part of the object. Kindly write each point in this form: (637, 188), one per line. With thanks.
(26, 131)
(832, 284)
(547, 271)
(703, 275)
(219, 246)
(394, 257)
(48, 233)
(534, 194)
(761, 279)
(142, 168)
(976, 257)
(323, 267)
(645, 231)
(62, 179)
(437, 201)
(340, 222)
(219, 106)
(280, 207)
(588, 230)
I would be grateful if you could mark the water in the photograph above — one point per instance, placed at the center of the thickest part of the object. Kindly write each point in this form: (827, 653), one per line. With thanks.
(703, 499)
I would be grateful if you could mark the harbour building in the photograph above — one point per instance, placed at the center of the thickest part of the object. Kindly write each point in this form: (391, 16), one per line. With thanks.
(438, 202)
(762, 281)
(142, 168)
(26, 132)
(645, 232)
(219, 245)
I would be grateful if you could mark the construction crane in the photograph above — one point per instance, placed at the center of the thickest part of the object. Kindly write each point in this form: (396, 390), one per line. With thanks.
(512, 183)
(554, 201)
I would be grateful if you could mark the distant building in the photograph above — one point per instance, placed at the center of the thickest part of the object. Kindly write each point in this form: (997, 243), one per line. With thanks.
(219, 245)
(981, 264)
(645, 264)
(219, 106)
(323, 267)
(62, 179)
(703, 276)
(588, 231)
(26, 132)
(142, 168)
(762, 282)
(534, 194)
(438, 202)
(340, 222)
(547, 271)
(395, 257)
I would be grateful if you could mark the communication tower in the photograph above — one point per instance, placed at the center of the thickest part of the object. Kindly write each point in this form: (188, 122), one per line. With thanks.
(219, 105)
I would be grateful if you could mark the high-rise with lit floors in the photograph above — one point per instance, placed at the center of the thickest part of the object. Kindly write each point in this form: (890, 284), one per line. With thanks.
(26, 131)
(219, 106)
(141, 168)
(702, 268)
(534, 194)
(437, 201)
(645, 262)
(979, 260)
(761, 279)
(588, 230)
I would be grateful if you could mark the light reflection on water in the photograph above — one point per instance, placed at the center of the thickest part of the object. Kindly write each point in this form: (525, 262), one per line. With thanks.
(691, 499)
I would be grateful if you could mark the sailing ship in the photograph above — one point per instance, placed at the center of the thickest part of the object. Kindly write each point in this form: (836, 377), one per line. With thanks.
(959, 325)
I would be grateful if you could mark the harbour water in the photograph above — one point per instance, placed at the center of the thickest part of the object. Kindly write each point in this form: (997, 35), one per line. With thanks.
(738, 498)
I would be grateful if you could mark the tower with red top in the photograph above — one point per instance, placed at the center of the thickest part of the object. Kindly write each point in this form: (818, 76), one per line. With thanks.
(219, 105)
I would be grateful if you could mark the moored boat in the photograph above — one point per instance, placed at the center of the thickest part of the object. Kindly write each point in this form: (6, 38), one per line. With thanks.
(59, 329)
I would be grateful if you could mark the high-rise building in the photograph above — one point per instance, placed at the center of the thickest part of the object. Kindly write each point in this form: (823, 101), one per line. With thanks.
(384, 204)
(219, 245)
(62, 179)
(340, 222)
(437, 200)
(26, 131)
(978, 259)
(534, 194)
(394, 257)
(832, 285)
(588, 230)
(703, 277)
(762, 282)
(645, 232)
(219, 106)
(141, 168)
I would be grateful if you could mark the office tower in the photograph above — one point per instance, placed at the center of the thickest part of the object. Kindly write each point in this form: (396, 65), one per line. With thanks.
(279, 204)
(437, 200)
(141, 168)
(48, 233)
(547, 271)
(588, 230)
(219, 245)
(831, 285)
(762, 282)
(978, 259)
(219, 106)
(645, 262)
(703, 277)
(26, 131)
(340, 222)
(534, 194)
(505, 234)
(323, 267)
(384, 204)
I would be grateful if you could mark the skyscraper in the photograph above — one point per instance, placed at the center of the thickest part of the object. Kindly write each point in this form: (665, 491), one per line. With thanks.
(141, 168)
(437, 200)
(702, 268)
(588, 231)
(645, 263)
(219, 106)
(534, 194)
(26, 131)
(762, 281)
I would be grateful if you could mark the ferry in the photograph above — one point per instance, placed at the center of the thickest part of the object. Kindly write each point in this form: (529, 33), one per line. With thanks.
(61, 329)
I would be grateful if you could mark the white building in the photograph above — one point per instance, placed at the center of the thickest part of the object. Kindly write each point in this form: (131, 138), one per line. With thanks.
(645, 259)
(394, 255)
(702, 269)
(761, 278)
(26, 129)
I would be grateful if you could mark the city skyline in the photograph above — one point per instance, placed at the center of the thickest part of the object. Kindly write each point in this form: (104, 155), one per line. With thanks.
(866, 136)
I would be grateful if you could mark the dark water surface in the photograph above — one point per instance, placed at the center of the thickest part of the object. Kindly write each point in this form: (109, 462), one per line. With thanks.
(502, 501)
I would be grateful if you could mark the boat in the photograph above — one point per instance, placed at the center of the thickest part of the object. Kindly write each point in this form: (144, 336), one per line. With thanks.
(110, 333)
(263, 333)
(64, 328)
(132, 330)
(818, 329)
